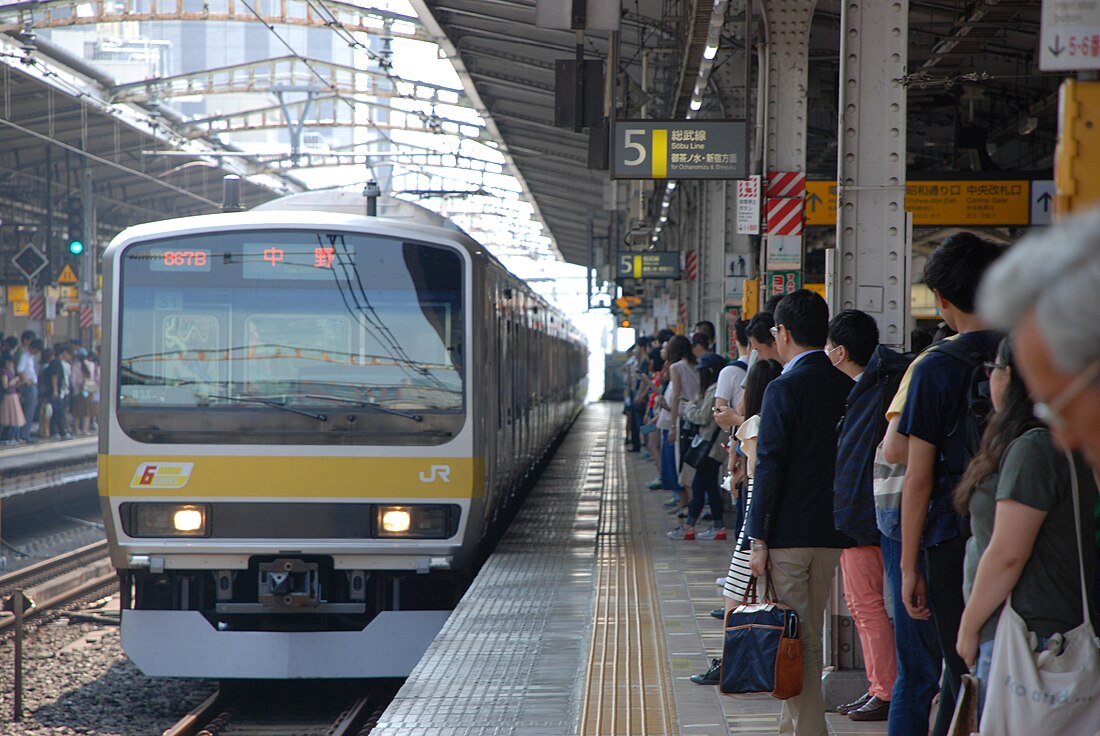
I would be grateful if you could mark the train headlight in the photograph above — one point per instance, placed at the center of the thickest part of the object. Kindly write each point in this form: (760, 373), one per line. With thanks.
(420, 521)
(189, 520)
(166, 519)
(396, 521)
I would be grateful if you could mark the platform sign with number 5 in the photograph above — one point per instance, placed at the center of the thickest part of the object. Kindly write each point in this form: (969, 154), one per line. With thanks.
(681, 149)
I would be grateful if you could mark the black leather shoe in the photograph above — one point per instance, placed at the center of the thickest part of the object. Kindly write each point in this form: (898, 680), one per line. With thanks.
(854, 705)
(873, 710)
(718, 613)
(711, 676)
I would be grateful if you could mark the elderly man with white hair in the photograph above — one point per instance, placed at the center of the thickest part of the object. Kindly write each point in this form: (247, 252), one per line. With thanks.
(1047, 290)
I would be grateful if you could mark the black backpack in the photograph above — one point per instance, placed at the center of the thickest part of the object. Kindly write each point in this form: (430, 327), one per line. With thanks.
(979, 406)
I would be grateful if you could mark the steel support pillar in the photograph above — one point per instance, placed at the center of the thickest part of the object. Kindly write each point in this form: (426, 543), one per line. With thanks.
(869, 268)
(787, 29)
(787, 37)
(712, 261)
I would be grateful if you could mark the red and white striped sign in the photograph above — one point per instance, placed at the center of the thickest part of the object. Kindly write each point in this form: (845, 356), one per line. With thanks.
(37, 307)
(691, 264)
(786, 184)
(85, 316)
(785, 216)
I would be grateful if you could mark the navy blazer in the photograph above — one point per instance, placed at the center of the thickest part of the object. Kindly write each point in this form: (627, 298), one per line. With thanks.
(792, 497)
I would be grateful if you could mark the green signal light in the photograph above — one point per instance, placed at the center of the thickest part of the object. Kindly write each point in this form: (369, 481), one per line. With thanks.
(76, 247)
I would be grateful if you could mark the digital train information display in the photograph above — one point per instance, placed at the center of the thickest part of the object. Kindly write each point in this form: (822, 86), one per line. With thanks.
(282, 261)
(191, 259)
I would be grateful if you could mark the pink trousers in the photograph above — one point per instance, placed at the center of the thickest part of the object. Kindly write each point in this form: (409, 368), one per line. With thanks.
(863, 585)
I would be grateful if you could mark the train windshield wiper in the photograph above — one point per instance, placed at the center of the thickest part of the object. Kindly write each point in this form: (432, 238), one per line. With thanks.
(269, 402)
(366, 405)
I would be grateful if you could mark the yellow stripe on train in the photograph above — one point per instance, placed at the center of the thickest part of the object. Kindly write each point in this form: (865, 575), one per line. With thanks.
(291, 477)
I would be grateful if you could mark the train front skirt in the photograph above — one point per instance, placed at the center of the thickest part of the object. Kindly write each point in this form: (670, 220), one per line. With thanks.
(184, 644)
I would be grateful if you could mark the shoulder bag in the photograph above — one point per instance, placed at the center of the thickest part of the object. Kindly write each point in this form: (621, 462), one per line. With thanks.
(699, 448)
(1056, 691)
(762, 651)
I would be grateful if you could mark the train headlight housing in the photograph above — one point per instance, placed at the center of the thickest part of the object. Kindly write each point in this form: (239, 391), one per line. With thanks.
(166, 519)
(420, 521)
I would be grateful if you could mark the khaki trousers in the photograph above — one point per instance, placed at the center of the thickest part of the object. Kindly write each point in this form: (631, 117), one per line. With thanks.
(803, 577)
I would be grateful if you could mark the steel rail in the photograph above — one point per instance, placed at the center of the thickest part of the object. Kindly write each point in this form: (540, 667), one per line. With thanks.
(58, 580)
(223, 709)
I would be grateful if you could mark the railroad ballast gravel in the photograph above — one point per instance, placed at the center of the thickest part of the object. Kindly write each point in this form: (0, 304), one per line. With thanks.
(76, 680)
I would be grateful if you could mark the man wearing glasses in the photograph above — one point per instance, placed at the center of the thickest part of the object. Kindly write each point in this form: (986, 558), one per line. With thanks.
(790, 519)
(1047, 289)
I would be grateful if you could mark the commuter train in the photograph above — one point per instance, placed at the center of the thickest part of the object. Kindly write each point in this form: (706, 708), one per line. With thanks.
(312, 424)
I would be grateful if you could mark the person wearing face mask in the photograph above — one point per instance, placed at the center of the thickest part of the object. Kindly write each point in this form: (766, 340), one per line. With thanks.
(853, 349)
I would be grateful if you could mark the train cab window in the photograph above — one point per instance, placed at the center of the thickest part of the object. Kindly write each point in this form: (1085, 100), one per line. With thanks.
(291, 337)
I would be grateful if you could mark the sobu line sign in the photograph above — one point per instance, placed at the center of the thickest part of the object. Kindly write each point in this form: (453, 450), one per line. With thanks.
(678, 149)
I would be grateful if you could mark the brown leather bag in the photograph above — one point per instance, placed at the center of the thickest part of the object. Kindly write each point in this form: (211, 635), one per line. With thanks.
(788, 658)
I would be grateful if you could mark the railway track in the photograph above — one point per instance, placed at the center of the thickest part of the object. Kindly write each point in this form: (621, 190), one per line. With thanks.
(286, 709)
(57, 581)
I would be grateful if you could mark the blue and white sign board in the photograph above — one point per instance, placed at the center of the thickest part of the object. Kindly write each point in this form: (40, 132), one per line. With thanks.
(1069, 39)
(1042, 201)
(735, 288)
(784, 252)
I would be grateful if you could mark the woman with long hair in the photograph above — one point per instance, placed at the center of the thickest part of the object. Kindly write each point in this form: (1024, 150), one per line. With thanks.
(683, 386)
(705, 485)
(1017, 493)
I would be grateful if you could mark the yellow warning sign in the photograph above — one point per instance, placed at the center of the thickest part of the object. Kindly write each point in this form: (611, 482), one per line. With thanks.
(20, 308)
(964, 203)
(68, 276)
(17, 294)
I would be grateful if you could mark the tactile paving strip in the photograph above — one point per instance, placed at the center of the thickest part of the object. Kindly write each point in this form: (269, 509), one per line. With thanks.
(560, 632)
(627, 687)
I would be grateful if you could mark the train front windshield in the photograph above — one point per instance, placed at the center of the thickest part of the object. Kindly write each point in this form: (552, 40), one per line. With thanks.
(292, 337)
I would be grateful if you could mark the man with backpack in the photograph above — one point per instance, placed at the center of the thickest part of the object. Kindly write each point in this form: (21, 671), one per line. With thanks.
(853, 349)
(943, 413)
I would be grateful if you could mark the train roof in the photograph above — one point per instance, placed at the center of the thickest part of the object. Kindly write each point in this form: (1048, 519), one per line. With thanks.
(295, 218)
(329, 212)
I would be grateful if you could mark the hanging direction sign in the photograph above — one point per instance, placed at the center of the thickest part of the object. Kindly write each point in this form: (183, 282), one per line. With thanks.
(1069, 39)
(649, 265)
(967, 202)
(678, 149)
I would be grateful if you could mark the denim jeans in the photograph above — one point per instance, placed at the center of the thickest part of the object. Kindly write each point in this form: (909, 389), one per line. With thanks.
(981, 671)
(705, 488)
(59, 426)
(28, 397)
(670, 474)
(918, 654)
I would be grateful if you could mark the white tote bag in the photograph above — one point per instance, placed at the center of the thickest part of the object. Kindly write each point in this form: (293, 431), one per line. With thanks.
(1047, 692)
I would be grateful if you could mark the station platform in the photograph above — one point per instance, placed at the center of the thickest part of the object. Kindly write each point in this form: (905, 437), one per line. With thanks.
(46, 464)
(586, 619)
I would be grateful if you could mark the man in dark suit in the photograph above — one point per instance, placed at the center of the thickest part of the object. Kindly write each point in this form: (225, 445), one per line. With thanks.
(790, 519)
